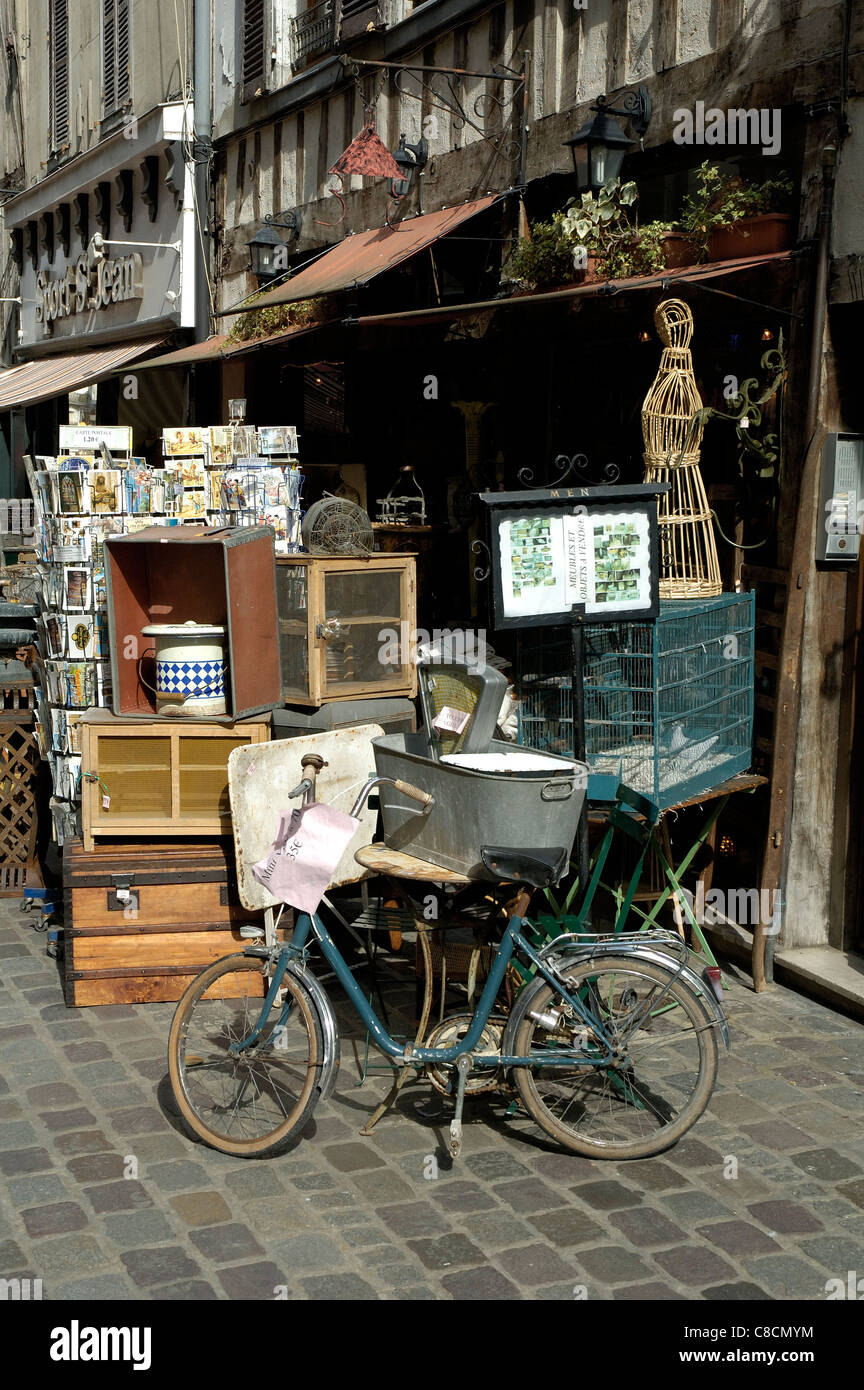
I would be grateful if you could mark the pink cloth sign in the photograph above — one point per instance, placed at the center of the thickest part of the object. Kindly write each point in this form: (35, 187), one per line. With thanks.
(309, 843)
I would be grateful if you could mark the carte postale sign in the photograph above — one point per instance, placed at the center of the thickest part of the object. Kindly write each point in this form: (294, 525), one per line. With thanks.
(83, 287)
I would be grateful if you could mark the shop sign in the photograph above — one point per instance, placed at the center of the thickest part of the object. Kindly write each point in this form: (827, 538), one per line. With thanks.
(82, 287)
(89, 438)
(574, 555)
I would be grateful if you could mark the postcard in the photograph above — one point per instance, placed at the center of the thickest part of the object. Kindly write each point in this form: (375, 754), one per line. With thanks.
(177, 442)
(189, 471)
(221, 448)
(277, 439)
(244, 441)
(105, 490)
(76, 588)
(214, 489)
(71, 462)
(70, 493)
(193, 503)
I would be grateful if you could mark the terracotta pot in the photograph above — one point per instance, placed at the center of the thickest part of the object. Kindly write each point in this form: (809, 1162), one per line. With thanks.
(678, 251)
(752, 236)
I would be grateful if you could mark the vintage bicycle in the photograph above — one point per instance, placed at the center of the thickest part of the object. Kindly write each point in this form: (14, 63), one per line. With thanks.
(611, 1045)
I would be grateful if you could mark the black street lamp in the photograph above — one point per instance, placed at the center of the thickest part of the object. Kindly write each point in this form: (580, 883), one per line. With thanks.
(599, 146)
(411, 159)
(267, 251)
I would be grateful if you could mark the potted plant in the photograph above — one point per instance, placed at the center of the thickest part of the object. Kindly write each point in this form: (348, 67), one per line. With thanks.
(545, 260)
(599, 227)
(727, 218)
(621, 249)
(593, 239)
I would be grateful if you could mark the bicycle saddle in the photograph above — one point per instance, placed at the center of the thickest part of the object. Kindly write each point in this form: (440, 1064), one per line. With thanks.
(539, 867)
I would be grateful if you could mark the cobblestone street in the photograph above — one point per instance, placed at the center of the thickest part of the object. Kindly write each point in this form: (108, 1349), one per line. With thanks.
(85, 1104)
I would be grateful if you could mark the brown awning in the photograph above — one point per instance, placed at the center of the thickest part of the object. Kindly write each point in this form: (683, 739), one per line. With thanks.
(661, 279)
(45, 377)
(209, 351)
(360, 257)
(221, 346)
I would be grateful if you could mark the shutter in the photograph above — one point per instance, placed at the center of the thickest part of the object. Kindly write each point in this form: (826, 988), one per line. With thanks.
(124, 54)
(109, 56)
(254, 49)
(358, 17)
(59, 73)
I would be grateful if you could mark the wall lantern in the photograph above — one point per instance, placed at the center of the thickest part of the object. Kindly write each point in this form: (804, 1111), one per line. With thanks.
(412, 160)
(267, 250)
(599, 146)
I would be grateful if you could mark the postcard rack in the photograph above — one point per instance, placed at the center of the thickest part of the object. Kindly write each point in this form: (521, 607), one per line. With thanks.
(96, 488)
(237, 475)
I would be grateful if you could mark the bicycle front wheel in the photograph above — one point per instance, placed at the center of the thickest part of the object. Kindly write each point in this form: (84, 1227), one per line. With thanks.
(663, 1081)
(252, 1104)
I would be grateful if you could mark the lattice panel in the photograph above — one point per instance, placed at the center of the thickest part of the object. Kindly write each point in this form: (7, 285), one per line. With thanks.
(19, 763)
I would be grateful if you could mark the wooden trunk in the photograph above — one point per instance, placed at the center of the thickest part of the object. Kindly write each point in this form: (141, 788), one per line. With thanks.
(182, 913)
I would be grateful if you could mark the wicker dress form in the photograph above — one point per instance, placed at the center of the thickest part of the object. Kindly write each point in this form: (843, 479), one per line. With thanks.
(688, 551)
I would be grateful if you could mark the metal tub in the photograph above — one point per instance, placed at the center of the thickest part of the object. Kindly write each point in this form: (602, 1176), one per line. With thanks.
(518, 809)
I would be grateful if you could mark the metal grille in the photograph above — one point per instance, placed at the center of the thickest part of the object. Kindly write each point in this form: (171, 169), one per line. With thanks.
(312, 33)
(668, 705)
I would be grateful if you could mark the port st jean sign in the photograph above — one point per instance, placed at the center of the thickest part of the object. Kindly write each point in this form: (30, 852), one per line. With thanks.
(83, 287)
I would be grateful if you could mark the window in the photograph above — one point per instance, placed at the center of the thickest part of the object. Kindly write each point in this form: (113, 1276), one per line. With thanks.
(253, 49)
(116, 79)
(58, 61)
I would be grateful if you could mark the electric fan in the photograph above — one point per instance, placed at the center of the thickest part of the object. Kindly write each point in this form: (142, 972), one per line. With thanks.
(335, 526)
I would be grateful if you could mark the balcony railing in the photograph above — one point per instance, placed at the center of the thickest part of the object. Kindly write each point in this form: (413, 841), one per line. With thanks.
(313, 33)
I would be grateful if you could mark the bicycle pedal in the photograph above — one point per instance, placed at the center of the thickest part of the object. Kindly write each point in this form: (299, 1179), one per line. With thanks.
(455, 1138)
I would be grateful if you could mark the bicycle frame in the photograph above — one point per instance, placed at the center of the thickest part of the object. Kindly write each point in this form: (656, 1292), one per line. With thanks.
(408, 1055)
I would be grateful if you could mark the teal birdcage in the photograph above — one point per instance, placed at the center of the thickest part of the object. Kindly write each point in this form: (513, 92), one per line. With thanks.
(668, 704)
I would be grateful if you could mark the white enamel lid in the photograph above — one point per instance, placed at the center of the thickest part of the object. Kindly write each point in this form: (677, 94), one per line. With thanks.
(190, 629)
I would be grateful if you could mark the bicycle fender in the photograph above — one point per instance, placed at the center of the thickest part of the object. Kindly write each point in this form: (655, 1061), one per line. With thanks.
(329, 1029)
(326, 1017)
(684, 972)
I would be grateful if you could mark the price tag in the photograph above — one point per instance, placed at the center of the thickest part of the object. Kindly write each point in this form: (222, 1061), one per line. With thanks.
(106, 802)
(451, 721)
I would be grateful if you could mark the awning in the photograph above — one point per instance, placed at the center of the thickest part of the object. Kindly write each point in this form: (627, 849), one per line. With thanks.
(661, 279)
(208, 351)
(360, 257)
(221, 346)
(45, 377)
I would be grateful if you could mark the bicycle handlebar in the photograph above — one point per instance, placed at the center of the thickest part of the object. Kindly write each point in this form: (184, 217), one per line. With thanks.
(306, 788)
(425, 798)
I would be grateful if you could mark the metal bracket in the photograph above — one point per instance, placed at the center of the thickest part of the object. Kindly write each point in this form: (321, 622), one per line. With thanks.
(121, 897)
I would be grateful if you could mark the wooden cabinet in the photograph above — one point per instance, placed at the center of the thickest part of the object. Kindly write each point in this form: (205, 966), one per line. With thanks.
(346, 626)
(158, 777)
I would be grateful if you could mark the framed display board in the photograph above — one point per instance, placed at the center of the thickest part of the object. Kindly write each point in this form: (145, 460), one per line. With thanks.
(585, 555)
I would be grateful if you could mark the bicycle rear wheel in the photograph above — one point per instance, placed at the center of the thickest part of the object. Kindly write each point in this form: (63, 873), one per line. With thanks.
(664, 1082)
(254, 1104)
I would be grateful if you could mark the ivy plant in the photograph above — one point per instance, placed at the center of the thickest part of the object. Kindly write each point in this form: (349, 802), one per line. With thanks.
(263, 323)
